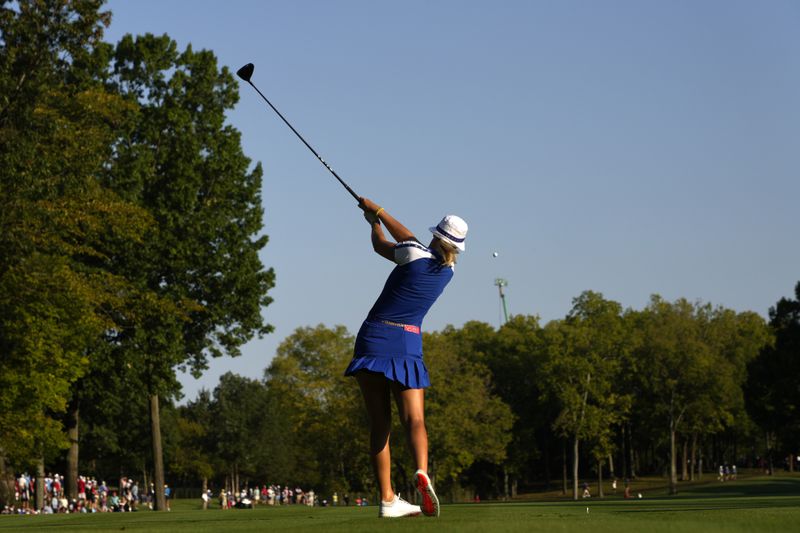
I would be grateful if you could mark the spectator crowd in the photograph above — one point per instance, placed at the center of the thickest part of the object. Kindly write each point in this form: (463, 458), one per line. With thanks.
(93, 496)
(249, 497)
(127, 496)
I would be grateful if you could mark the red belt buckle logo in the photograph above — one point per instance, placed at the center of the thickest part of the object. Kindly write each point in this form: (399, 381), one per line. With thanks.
(411, 329)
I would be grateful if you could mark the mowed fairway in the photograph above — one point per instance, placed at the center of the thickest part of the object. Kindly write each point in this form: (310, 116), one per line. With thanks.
(759, 504)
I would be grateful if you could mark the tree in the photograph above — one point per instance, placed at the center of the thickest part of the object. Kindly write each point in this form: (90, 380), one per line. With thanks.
(695, 356)
(680, 365)
(734, 339)
(111, 406)
(181, 163)
(325, 410)
(772, 390)
(238, 409)
(514, 355)
(584, 352)
(195, 451)
(466, 421)
(58, 225)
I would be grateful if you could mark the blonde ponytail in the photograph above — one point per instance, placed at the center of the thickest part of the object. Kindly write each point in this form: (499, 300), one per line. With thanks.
(448, 252)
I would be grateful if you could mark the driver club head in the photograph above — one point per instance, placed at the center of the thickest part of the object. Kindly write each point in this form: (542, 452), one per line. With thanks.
(246, 71)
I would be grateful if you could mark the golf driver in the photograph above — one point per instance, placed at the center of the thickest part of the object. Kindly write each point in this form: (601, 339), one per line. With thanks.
(245, 73)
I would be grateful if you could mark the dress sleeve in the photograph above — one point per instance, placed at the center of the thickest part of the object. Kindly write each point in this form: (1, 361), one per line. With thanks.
(407, 251)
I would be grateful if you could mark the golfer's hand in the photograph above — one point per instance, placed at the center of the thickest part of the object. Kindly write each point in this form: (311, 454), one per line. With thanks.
(371, 217)
(368, 205)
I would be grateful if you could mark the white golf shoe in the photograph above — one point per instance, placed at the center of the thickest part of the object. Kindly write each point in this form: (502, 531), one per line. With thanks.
(398, 508)
(430, 503)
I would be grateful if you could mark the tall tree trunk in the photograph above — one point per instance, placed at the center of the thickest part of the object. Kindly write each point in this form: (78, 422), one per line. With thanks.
(631, 458)
(791, 462)
(146, 487)
(564, 466)
(575, 468)
(769, 453)
(505, 483)
(6, 482)
(700, 461)
(547, 472)
(611, 466)
(673, 471)
(685, 460)
(158, 457)
(693, 457)
(40, 484)
(205, 491)
(716, 455)
(73, 419)
(600, 478)
(625, 466)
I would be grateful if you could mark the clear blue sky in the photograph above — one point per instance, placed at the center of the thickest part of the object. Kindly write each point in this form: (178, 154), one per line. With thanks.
(628, 147)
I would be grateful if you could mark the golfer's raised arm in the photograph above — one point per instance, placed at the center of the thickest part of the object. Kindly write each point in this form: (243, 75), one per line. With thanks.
(397, 230)
(380, 244)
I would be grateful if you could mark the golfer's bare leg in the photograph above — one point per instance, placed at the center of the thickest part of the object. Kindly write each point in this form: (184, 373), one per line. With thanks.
(411, 406)
(375, 390)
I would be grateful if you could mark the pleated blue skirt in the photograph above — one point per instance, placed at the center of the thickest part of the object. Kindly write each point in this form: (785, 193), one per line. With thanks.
(391, 351)
(409, 372)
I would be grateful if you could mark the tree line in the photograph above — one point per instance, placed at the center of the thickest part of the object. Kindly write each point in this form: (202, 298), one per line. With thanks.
(672, 389)
(129, 236)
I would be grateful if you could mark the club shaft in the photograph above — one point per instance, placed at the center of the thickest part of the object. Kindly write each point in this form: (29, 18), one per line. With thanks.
(335, 175)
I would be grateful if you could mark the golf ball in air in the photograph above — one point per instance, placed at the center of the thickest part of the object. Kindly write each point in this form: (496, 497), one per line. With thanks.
(495, 254)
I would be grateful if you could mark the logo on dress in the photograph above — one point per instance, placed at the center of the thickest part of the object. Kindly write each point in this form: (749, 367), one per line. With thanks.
(411, 329)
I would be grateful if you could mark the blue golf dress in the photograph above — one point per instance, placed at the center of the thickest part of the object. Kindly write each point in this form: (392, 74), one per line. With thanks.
(390, 339)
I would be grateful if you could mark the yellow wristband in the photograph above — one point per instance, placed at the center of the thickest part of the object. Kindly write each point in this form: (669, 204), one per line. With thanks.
(378, 212)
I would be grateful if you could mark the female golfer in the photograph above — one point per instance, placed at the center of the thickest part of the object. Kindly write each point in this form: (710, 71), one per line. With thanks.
(388, 352)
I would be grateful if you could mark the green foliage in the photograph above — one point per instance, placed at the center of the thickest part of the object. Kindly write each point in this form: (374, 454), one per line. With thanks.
(128, 234)
(585, 352)
(679, 363)
(305, 423)
(329, 426)
(581, 373)
(195, 450)
(773, 384)
(238, 410)
(466, 421)
(58, 225)
(180, 162)
(328, 421)
(114, 414)
(516, 360)
(45, 305)
(696, 358)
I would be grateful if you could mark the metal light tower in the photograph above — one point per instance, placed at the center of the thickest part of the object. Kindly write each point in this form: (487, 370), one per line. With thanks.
(500, 282)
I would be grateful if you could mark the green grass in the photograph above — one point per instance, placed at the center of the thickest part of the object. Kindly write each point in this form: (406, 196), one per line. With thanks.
(754, 504)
